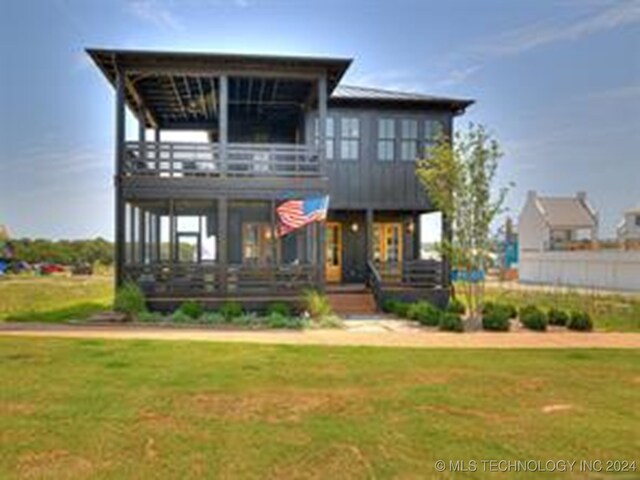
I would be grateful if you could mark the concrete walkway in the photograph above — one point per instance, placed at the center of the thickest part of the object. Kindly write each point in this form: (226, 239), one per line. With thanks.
(382, 333)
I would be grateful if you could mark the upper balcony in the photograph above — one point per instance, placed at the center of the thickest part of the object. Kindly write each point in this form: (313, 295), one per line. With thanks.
(250, 108)
(204, 160)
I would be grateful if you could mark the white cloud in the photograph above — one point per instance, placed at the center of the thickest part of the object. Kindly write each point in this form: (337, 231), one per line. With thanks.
(612, 16)
(459, 75)
(154, 12)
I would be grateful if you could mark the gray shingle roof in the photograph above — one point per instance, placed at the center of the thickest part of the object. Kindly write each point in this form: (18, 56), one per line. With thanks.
(567, 212)
(352, 92)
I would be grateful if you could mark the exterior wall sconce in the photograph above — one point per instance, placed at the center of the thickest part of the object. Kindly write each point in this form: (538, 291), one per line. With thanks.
(354, 227)
(267, 234)
(411, 227)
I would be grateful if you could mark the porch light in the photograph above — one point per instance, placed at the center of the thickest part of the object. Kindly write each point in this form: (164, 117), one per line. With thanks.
(354, 227)
(411, 227)
(267, 234)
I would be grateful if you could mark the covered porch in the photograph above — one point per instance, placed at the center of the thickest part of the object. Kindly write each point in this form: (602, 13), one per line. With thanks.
(217, 250)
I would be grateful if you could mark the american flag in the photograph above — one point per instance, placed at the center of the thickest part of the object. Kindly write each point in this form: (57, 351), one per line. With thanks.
(293, 214)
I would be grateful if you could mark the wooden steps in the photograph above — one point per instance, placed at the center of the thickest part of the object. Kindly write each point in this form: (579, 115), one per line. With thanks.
(352, 301)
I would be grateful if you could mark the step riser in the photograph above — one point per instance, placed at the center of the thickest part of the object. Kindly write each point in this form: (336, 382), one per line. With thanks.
(352, 303)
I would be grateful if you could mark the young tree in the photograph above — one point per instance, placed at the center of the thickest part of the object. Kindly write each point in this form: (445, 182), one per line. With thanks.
(459, 178)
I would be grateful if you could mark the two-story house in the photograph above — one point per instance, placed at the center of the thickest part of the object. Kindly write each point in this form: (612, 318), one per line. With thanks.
(198, 220)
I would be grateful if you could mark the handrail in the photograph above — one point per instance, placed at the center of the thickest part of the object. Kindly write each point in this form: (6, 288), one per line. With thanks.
(180, 159)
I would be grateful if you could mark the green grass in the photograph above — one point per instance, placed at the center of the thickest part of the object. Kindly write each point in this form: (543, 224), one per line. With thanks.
(55, 298)
(144, 409)
(609, 312)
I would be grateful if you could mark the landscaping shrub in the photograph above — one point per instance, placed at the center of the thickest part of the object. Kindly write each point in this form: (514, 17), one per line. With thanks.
(192, 308)
(316, 304)
(276, 320)
(150, 317)
(533, 318)
(456, 306)
(506, 308)
(496, 319)
(397, 307)
(328, 321)
(558, 317)
(231, 310)
(129, 299)
(389, 305)
(245, 320)
(450, 322)
(213, 318)
(279, 307)
(580, 320)
(180, 317)
(426, 313)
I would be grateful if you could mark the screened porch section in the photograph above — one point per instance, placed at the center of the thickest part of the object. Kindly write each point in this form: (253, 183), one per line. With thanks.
(210, 249)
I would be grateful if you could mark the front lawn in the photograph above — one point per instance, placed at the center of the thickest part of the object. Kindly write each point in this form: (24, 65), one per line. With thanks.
(144, 409)
(54, 298)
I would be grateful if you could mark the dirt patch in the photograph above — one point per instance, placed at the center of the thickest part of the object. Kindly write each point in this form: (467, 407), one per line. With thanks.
(557, 407)
(276, 407)
(158, 421)
(15, 408)
(53, 464)
(336, 461)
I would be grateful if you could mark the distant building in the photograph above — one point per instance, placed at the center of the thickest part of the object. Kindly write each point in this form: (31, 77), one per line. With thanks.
(552, 223)
(629, 227)
(558, 247)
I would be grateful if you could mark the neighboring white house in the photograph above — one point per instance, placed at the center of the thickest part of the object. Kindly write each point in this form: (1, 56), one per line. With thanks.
(629, 227)
(550, 227)
(549, 223)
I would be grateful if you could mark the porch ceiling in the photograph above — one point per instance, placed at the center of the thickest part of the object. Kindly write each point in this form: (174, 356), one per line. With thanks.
(181, 90)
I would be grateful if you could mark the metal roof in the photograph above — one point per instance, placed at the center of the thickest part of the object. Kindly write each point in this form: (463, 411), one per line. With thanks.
(354, 93)
(566, 212)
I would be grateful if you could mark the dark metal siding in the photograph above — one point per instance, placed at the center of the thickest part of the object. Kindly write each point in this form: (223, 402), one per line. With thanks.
(369, 182)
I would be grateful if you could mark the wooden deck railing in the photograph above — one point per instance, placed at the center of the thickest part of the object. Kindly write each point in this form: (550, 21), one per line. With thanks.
(180, 159)
(213, 280)
(407, 274)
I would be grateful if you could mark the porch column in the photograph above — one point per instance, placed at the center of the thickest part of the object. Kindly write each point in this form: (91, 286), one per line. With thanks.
(417, 237)
(158, 236)
(222, 250)
(172, 233)
(446, 235)
(142, 235)
(321, 253)
(275, 252)
(142, 138)
(132, 233)
(223, 123)
(119, 234)
(369, 234)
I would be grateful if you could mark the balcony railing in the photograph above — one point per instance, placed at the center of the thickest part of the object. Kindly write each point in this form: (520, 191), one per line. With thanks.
(179, 159)
(218, 280)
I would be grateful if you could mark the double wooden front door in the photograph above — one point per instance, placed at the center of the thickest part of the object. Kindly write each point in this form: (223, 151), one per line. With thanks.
(387, 243)
(334, 252)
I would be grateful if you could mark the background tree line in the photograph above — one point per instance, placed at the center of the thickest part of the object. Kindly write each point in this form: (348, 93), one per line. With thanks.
(65, 252)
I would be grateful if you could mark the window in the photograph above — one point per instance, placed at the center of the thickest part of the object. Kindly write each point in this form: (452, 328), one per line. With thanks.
(386, 139)
(349, 138)
(432, 130)
(637, 220)
(256, 243)
(330, 136)
(409, 141)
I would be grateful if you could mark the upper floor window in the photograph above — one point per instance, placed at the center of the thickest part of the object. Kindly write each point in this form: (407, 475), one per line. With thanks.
(637, 220)
(330, 141)
(349, 138)
(433, 129)
(409, 140)
(386, 139)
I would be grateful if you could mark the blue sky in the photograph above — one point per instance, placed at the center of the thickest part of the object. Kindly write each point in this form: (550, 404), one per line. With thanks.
(558, 81)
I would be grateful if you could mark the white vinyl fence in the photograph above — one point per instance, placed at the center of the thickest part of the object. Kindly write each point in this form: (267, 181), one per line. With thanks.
(606, 269)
